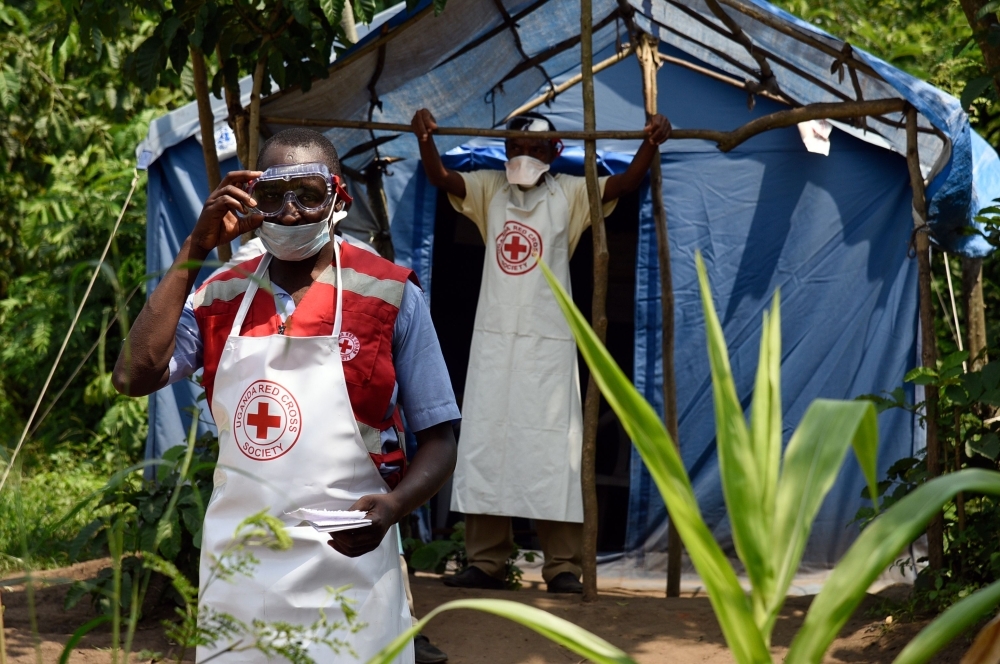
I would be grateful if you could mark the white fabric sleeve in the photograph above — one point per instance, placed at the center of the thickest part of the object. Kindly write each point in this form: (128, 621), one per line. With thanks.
(579, 205)
(480, 188)
(187, 357)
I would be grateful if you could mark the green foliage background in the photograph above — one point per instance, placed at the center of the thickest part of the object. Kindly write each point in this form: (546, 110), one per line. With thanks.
(69, 124)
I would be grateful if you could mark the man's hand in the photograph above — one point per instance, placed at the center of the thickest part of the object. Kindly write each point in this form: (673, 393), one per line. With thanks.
(657, 129)
(383, 512)
(423, 124)
(220, 221)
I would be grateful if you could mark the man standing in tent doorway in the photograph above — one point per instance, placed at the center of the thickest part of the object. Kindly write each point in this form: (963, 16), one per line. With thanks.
(522, 431)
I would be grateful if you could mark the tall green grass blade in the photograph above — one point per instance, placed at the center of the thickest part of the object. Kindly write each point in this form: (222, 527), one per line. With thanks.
(644, 427)
(739, 462)
(874, 550)
(959, 617)
(812, 462)
(766, 426)
(79, 634)
(555, 629)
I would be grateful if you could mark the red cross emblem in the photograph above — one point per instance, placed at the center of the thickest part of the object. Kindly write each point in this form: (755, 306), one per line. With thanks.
(518, 248)
(267, 421)
(262, 420)
(350, 346)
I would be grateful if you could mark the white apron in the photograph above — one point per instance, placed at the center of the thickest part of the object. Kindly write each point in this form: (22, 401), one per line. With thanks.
(522, 431)
(288, 439)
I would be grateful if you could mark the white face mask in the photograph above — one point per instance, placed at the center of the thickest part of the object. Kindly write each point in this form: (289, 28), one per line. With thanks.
(296, 243)
(525, 170)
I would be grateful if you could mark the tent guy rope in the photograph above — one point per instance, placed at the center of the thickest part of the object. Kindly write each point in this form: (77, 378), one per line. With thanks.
(69, 332)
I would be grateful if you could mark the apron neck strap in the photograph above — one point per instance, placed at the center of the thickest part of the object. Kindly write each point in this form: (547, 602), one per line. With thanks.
(255, 280)
(338, 316)
(261, 273)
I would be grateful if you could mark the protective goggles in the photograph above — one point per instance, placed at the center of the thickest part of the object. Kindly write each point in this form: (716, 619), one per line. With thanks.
(529, 123)
(309, 187)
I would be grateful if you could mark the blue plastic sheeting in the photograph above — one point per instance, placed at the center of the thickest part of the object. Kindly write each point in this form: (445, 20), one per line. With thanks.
(831, 232)
(422, 57)
(176, 191)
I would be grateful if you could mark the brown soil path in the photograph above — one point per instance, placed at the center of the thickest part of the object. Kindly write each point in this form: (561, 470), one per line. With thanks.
(650, 628)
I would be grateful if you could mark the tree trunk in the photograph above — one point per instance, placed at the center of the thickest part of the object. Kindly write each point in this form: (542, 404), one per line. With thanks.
(3, 640)
(928, 340)
(206, 120)
(237, 119)
(975, 312)
(646, 50)
(253, 131)
(983, 29)
(599, 319)
(347, 22)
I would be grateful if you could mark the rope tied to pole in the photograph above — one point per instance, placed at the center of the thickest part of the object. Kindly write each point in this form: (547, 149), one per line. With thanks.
(69, 332)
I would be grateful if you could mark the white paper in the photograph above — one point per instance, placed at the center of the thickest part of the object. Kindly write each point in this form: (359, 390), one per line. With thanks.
(331, 521)
(816, 136)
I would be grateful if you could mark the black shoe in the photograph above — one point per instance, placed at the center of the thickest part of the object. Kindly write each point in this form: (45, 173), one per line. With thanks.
(425, 652)
(565, 583)
(473, 577)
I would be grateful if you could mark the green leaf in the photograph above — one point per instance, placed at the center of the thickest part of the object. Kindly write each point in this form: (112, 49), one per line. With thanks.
(875, 549)
(149, 61)
(439, 6)
(740, 460)
(557, 630)
(921, 376)
(988, 446)
(79, 634)
(975, 89)
(959, 617)
(653, 443)
(333, 10)
(812, 462)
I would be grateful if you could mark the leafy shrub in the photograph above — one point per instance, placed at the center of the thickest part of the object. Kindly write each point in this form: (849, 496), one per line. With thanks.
(163, 518)
(969, 434)
(33, 533)
(435, 555)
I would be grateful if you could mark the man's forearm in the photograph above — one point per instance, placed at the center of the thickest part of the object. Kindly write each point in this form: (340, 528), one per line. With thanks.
(439, 176)
(142, 366)
(432, 465)
(627, 182)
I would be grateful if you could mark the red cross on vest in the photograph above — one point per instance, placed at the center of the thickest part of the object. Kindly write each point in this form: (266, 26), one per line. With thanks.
(514, 248)
(345, 346)
(263, 420)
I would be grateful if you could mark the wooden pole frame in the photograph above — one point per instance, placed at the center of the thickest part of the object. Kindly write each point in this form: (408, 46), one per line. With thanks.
(647, 51)
(928, 339)
(726, 140)
(598, 315)
(206, 122)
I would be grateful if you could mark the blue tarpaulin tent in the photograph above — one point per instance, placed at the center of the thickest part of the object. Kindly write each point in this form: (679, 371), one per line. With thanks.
(831, 232)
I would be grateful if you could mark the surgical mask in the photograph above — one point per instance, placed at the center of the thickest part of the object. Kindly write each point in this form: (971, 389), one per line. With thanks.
(296, 243)
(525, 170)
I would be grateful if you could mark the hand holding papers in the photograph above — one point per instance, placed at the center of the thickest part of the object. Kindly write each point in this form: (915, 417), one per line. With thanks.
(331, 521)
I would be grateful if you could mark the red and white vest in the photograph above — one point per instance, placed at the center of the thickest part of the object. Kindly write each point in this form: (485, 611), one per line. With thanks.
(373, 291)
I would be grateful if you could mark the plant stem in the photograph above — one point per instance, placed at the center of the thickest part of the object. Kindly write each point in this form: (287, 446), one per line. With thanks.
(206, 120)
(254, 129)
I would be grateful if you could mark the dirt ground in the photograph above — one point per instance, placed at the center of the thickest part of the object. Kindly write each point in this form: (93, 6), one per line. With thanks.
(652, 629)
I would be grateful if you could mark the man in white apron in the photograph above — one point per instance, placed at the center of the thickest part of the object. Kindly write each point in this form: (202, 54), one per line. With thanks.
(522, 430)
(304, 386)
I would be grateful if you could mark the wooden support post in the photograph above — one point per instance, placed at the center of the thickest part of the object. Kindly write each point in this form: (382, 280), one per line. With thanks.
(975, 311)
(253, 131)
(382, 241)
(647, 50)
(928, 340)
(3, 639)
(206, 120)
(599, 319)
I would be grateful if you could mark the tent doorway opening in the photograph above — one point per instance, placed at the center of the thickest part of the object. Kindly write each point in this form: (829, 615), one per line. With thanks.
(456, 276)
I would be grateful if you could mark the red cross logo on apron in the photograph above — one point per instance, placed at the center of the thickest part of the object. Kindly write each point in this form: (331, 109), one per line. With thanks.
(267, 421)
(518, 248)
